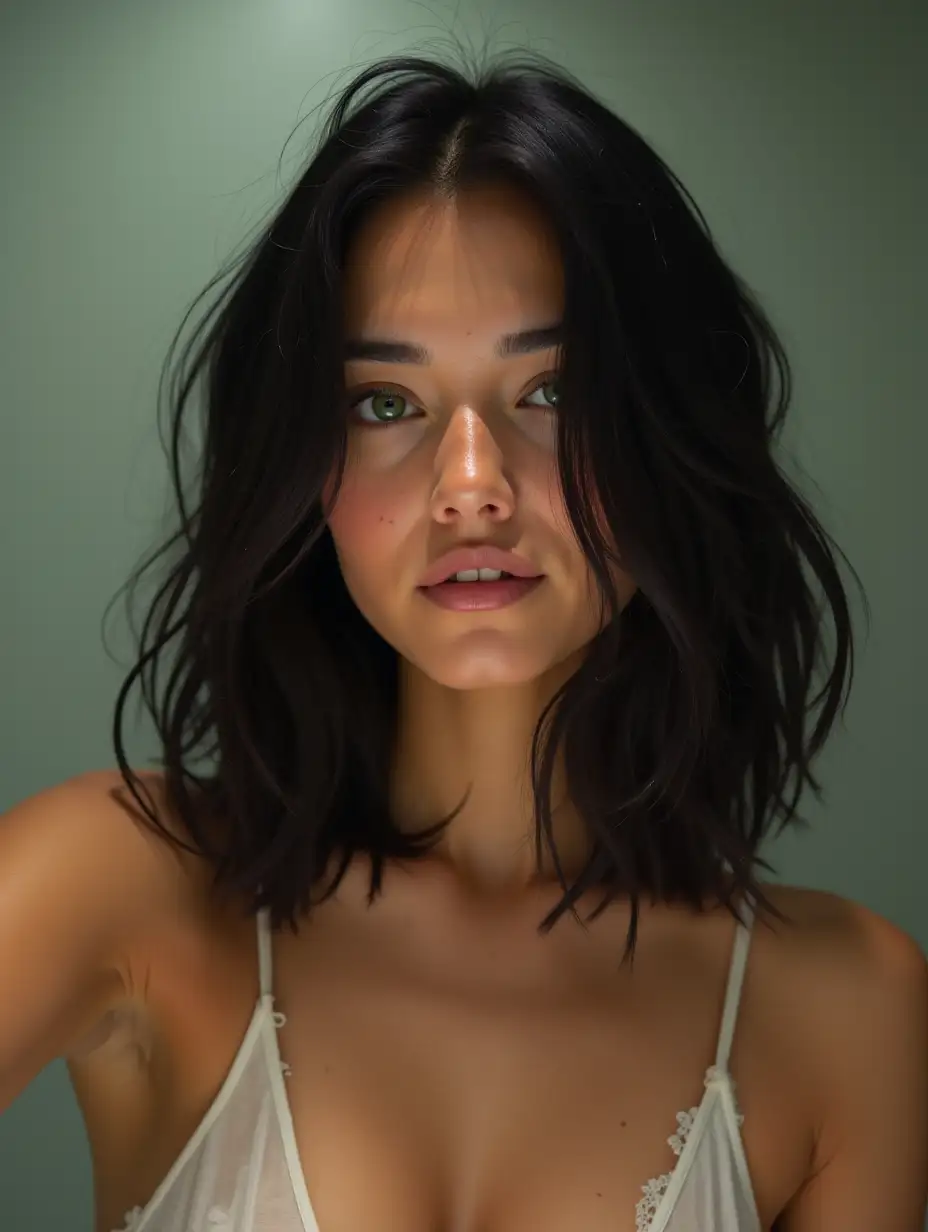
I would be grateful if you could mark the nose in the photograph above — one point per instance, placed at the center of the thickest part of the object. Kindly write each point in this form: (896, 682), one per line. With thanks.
(471, 486)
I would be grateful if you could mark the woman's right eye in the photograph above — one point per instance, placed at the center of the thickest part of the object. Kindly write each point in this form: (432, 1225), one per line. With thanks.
(387, 406)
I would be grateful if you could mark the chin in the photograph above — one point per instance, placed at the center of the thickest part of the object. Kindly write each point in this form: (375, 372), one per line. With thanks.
(473, 669)
(480, 677)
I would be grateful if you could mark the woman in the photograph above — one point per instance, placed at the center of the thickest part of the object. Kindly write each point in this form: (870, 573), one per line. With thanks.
(496, 636)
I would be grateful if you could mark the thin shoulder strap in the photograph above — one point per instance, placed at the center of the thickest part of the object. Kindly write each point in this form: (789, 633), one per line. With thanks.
(265, 961)
(739, 958)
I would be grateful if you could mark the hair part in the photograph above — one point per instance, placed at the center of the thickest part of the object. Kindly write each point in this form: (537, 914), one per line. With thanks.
(690, 729)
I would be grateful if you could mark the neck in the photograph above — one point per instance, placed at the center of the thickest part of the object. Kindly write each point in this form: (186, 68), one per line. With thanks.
(453, 743)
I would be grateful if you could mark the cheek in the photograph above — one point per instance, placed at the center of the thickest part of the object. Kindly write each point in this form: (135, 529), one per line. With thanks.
(366, 522)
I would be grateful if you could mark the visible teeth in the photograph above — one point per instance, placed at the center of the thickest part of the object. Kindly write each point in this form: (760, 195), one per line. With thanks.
(478, 575)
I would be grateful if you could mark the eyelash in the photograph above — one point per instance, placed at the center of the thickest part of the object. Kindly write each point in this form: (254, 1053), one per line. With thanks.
(549, 379)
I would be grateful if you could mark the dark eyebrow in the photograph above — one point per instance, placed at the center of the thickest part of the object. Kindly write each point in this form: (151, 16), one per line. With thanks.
(383, 351)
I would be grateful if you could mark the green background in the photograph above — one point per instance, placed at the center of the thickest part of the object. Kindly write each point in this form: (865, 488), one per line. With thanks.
(141, 143)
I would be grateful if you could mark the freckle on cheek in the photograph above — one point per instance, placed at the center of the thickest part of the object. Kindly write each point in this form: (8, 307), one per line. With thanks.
(354, 520)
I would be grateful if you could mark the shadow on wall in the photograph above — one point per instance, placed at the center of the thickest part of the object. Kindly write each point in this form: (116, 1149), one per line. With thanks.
(46, 1149)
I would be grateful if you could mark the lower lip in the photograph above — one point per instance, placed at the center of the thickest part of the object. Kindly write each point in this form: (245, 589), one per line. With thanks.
(480, 596)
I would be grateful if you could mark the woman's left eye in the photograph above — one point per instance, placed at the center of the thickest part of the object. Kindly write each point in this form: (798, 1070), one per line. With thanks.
(549, 389)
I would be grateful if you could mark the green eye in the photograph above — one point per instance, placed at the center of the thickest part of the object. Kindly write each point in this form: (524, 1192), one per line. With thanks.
(549, 390)
(386, 406)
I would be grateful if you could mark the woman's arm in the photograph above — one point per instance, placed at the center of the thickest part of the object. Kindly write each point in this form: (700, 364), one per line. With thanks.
(870, 1171)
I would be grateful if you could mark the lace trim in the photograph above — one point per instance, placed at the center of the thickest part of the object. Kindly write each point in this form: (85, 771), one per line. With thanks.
(131, 1220)
(216, 1217)
(647, 1207)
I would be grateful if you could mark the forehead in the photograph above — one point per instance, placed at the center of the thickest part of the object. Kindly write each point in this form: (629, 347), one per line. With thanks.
(488, 256)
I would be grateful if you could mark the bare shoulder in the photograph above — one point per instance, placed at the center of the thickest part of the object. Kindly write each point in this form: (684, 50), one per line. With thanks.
(172, 880)
(86, 838)
(852, 973)
(857, 990)
(80, 833)
(846, 947)
(79, 880)
(97, 810)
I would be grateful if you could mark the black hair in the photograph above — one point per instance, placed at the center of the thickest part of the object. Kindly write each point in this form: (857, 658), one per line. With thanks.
(689, 730)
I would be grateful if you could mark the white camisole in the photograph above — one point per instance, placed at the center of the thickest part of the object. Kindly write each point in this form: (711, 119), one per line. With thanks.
(241, 1172)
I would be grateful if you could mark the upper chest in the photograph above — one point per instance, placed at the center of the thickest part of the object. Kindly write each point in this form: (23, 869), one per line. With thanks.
(460, 1078)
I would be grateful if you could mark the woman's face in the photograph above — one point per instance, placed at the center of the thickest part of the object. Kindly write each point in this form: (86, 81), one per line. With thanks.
(459, 449)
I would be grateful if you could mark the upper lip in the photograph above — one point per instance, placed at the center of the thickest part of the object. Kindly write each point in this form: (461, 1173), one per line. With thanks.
(477, 558)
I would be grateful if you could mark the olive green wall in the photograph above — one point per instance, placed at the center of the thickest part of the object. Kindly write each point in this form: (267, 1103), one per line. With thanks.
(140, 142)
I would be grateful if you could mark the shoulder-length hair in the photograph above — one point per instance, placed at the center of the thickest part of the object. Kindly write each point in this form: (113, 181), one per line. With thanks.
(689, 730)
